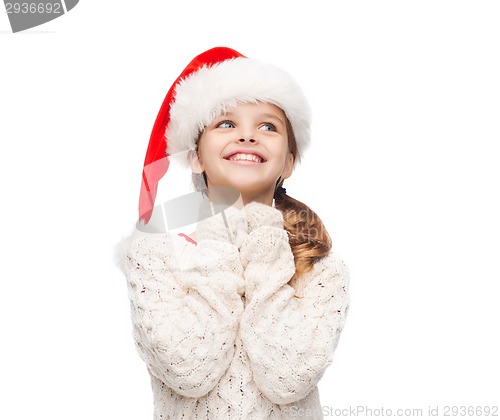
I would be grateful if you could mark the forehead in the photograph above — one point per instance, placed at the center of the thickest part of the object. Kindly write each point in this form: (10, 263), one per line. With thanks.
(255, 109)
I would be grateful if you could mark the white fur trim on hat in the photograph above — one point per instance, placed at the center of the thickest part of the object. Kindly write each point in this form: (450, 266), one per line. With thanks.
(211, 91)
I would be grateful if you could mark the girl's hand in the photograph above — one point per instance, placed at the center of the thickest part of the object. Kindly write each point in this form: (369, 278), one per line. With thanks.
(227, 224)
(258, 214)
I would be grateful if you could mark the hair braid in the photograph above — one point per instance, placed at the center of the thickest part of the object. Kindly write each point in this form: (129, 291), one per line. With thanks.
(308, 237)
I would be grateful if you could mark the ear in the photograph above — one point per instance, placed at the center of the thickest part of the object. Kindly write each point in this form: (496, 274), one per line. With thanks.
(195, 163)
(288, 168)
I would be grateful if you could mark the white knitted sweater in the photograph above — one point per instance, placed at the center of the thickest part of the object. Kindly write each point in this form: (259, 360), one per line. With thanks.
(222, 332)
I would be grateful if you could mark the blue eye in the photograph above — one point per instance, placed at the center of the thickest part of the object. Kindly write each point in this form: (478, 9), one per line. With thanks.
(225, 124)
(268, 127)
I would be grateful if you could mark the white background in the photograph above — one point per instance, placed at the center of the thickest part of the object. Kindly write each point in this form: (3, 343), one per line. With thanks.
(403, 169)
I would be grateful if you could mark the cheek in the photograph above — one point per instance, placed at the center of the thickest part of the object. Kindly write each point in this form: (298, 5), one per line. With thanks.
(209, 154)
(204, 149)
(211, 146)
(280, 151)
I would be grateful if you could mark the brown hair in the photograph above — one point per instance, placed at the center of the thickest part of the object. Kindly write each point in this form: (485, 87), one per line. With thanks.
(307, 235)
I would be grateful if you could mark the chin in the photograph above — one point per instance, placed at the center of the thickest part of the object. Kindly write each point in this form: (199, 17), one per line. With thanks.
(251, 190)
(246, 186)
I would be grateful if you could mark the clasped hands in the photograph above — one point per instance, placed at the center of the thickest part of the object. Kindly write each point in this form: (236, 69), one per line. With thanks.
(225, 218)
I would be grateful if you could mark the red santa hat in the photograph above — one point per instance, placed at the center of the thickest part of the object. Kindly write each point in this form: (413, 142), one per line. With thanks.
(213, 82)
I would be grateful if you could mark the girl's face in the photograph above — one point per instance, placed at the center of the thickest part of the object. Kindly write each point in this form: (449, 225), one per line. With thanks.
(246, 149)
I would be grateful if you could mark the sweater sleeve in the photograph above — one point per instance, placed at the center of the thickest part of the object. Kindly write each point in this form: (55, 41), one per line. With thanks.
(186, 308)
(290, 333)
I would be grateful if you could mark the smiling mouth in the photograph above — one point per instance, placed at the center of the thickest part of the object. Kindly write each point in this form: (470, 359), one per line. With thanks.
(244, 157)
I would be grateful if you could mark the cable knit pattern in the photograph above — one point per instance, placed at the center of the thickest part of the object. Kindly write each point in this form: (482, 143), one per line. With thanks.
(222, 332)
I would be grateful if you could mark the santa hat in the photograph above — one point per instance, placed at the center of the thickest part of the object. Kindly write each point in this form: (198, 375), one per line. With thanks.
(212, 83)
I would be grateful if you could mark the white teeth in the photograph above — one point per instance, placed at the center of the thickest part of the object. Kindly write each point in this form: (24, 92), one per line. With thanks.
(244, 156)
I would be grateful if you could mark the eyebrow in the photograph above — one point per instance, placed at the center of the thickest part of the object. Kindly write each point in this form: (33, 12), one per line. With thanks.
(267, 115)
(261, 116)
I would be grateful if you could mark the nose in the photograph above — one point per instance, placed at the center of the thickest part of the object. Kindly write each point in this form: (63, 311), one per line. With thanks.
(246, 133)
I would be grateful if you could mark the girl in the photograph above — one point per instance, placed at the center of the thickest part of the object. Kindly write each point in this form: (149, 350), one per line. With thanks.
(240, 319)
